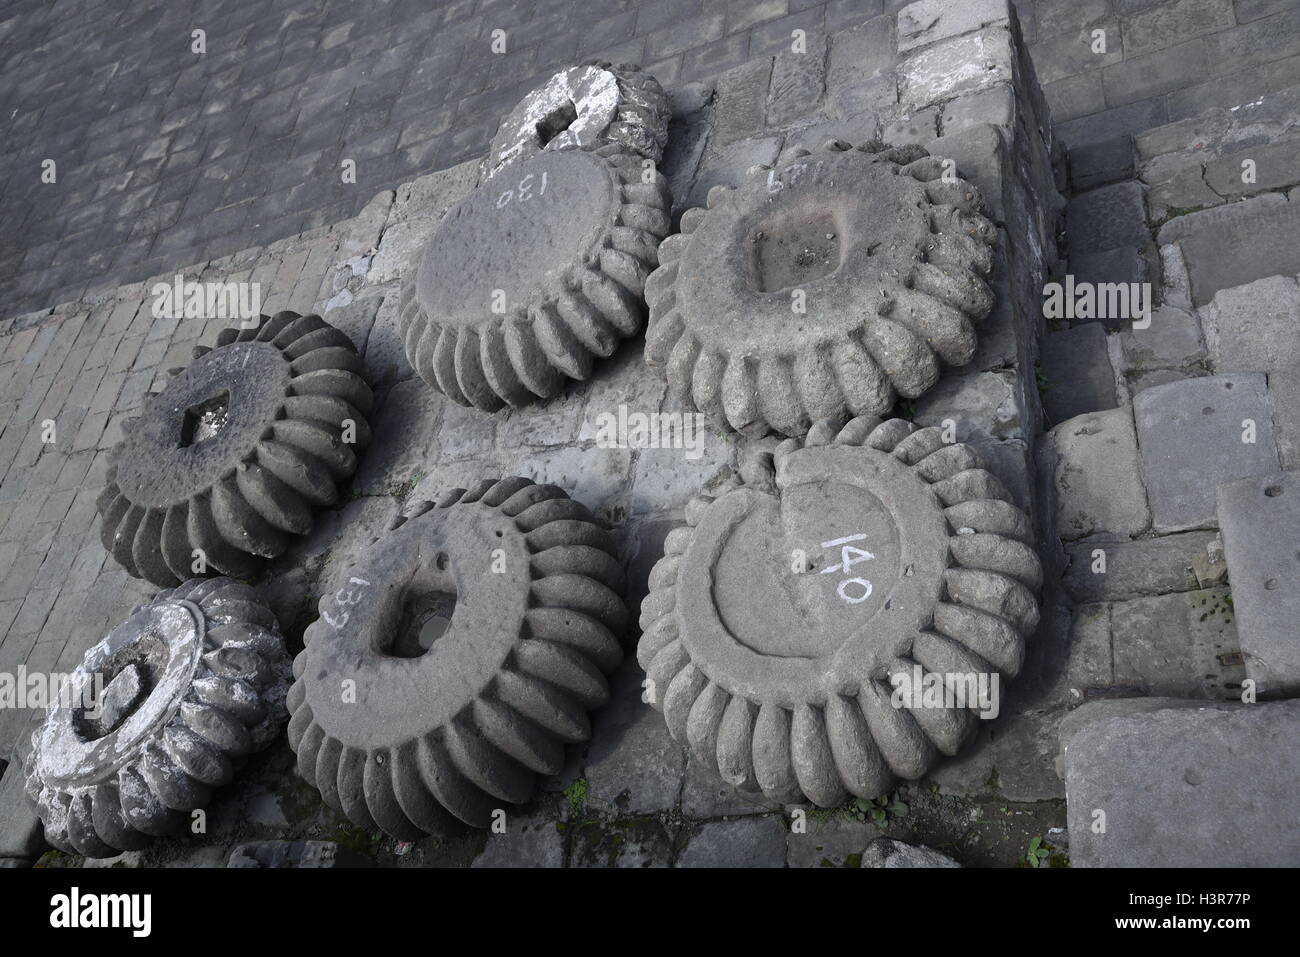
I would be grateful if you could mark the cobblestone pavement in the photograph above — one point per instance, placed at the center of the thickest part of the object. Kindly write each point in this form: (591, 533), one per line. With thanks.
(167, 156)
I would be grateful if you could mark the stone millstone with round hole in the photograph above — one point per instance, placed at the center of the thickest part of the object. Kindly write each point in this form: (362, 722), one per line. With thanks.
(192, 683)
(823, 288)
(585, 107)
(911, 562)
(525, 589)
(534, 275)
(230, 459)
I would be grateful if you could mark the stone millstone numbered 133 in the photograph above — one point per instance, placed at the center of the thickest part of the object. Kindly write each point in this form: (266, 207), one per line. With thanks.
(458, 656)
(230, 459)
(538, 272)
(823, 288)
(783, 613)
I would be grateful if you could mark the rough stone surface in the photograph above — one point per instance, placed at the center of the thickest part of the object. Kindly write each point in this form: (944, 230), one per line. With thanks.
(585, 107)
(1173, 341)
(1076, 372)
(1183, 645)
(235, 451)
(888, 853)
(21, 837)
(762, 310)
(1284, 401)
(743, 842)
(143, 737)
(1110, 571)
(1187, 788)
(1099, 488)
(1107, 218)
(954, 67)
(503, 708)
(850, 512)
(1254, 327)
(517, 291)
(1260, 518)
(1193, 434)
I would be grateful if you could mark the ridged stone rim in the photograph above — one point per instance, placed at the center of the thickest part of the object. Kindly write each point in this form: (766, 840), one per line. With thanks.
(296, 397)
(823, 288)
(462, 728)
(780, 681)
(194, 681)
(535, 275)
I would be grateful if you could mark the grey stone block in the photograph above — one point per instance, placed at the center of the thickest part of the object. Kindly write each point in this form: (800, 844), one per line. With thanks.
(836, 841)
(1237, 243)
(956, 66)
(1187, 788)
(1196, 434)
(1076, 372)
(1183, 644)
(1096, 164)
(1284, 401)
(744, 842)
(798, 80)
(21, 835)
(1111, 571)
(1124, 264)
(1173, 341)
(1093, 712)
(928, 21)
(1107, 218)
(888, 853)
(1254, 327)
(530, 841)
(983, 406)
(1098, 483)
(1260, 518)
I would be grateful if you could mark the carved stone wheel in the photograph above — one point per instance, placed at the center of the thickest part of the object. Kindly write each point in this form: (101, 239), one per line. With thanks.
(233, 455)
(909, 555)
(459, 656)
(585, 107)
(192, 683)
(820, 289)
(534, 275)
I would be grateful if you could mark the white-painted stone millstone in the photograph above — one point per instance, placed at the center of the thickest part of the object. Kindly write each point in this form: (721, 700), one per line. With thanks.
(231, 458)
(822, 288)
(192, 683)
(534, 275)
(585, 107)
(458, 657)
(910, 554)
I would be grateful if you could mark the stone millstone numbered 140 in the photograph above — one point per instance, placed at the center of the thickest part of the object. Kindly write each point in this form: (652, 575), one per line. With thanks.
(192, 683)
(823, 288)
(534, 275)
(790, 616)
(234, 454)
(585, 107)
(458, 657)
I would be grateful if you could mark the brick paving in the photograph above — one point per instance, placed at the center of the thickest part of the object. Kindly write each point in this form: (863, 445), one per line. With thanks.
(167, 156)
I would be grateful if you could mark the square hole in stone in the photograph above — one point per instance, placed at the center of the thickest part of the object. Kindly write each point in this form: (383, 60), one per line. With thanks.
(204, 419)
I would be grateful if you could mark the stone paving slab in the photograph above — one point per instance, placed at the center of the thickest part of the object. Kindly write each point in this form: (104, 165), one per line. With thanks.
(1186, 788)
(1196, 434)
(1260, 518)
(1254, 327)
(1093, 461)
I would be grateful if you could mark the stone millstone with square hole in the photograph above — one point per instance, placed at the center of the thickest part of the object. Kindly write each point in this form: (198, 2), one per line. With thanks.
(188, 686)
(585, 107)
(457, 658)
(822, 288)
(788, 610)
(534, 275)
(230, 459)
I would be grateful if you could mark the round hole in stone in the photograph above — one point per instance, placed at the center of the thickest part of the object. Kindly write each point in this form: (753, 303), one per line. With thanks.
(205, 419)
(1270, 584)
(121, 686)
(556, 122)
(426, 617)
(793, 247)
(1273, 491)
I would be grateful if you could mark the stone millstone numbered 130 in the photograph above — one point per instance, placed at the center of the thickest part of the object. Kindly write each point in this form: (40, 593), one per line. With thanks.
(585, 107)
(192, 683)
(233, 455)
(535, 274)
(460, 655)
(788, 614)
(823, 288)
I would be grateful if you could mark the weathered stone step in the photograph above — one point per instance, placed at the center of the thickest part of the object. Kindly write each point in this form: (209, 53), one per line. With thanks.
(1260, 520)
(1186, 787)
